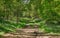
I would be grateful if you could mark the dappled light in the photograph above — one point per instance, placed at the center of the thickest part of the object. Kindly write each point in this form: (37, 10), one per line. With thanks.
(30, 15)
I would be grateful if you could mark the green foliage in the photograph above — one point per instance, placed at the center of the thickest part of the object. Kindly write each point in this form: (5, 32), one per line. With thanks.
(16, 14)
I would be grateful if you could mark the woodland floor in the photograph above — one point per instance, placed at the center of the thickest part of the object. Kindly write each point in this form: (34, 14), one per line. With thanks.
(28, 33)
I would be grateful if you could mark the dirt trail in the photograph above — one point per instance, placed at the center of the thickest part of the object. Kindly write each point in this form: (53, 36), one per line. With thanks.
(29, 33)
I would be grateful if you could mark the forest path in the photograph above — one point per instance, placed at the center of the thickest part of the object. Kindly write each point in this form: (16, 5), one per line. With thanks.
(29, 33)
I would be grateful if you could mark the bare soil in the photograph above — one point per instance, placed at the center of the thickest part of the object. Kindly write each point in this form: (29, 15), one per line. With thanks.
(28, 33)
